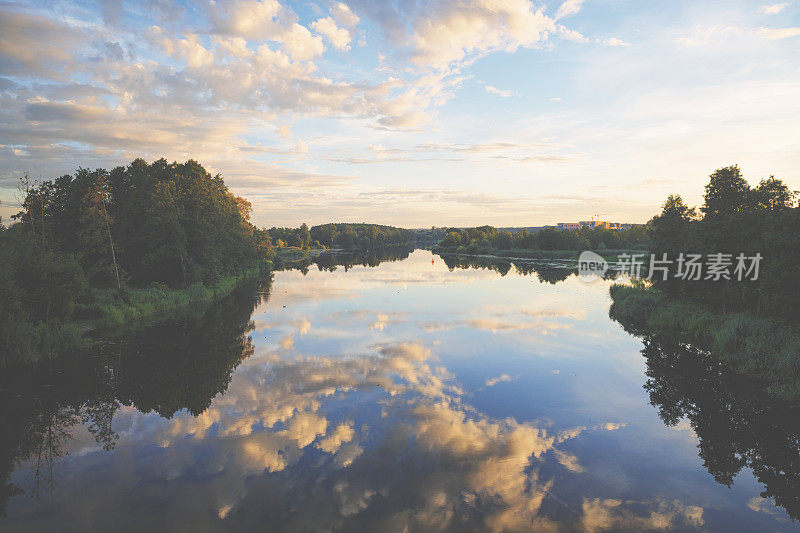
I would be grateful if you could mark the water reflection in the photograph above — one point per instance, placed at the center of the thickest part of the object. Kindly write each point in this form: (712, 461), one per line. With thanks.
(177, 365)
(737, 423)
(545, 271)
(413, 396)
(330, 261)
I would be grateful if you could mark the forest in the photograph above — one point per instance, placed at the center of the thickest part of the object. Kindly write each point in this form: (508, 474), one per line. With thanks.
(109, 247)
(750, 323)
(490, 240)
(735, 218)
(345, 236)
(97, 242)
(364, 236)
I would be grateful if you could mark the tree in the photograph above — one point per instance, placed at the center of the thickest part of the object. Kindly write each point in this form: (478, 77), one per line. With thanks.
(96, 244)
(504, 240)
(727, 193)
(49, 280)
(772, 196)
(452, 240)
(670, 230)
(166, 254)
(305, 235)
(670, 234)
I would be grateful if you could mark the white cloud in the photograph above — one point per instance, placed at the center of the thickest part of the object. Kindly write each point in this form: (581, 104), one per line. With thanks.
(610, 514)
(569, 7)
(778, 33)
(571, 35)
(491, 382)
(615, 41)
(234, 46)
(245, 18)
(300, 44)
(499, 92)
(773, 9)
(449, 32)
(342, 434)
(344, 16)
(338, 37)
(217, 83)
(305, 427)
(188, 48)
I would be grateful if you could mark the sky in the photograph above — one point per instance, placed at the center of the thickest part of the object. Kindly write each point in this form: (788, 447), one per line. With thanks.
(412, 113)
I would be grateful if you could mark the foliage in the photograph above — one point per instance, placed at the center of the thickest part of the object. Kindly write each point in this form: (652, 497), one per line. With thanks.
(182, 363)
(364, 236)
(755, 346)
(490, 240)
(735, 219)
(169, 224)
(736, 423)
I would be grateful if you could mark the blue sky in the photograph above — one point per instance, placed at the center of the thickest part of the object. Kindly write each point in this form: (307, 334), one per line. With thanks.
(505, 112)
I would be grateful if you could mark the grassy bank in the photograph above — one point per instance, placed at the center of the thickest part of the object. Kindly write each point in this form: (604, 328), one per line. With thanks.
(751, 345)
(107, 310)
(285, 256)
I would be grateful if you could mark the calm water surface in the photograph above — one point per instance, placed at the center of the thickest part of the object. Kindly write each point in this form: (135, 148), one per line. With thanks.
(398, 397)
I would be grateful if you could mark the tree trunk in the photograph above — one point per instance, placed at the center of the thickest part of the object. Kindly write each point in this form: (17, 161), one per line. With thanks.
(110, 240)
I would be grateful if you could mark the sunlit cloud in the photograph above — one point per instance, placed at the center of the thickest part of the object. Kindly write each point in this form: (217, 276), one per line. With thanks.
(615, 41)
(491, 382)
(773, 9)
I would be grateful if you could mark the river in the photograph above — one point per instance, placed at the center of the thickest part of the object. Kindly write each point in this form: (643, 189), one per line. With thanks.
(403, 396)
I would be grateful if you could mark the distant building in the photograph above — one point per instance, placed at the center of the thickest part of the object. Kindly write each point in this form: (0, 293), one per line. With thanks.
(592, 224)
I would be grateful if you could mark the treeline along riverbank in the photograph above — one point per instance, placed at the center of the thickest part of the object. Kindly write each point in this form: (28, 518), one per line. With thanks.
(547, 243)
(100, 248)
(752, 323)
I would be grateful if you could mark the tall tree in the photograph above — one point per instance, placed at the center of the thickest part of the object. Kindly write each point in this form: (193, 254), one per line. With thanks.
(96, 243)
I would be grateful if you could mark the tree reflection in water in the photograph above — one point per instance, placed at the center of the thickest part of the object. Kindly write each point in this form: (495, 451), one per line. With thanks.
(330, 261)
(353, 441)
(737, 423)
(182, 363)
(546, 272)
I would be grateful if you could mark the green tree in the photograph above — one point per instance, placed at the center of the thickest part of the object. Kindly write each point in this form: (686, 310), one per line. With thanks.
(305, 235)
(504, 240)
(727, 193)
(97, 253)
(671, 229)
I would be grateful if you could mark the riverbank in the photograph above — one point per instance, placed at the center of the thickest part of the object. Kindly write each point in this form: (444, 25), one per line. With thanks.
(285, 256)
(751, 345)
(107, 310)
(536, 255)
(291, 256)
